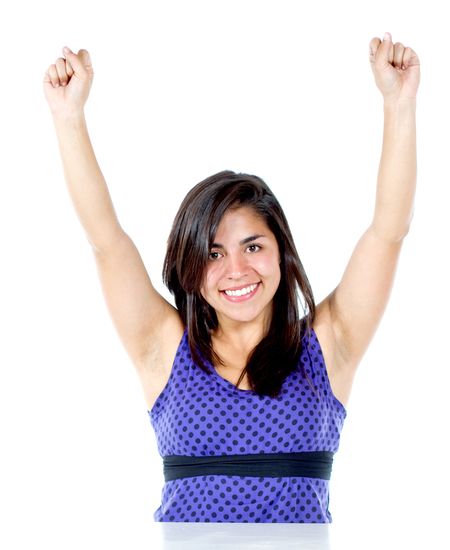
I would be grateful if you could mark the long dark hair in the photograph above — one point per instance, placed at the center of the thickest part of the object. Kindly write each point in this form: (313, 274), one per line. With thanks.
(188, 248)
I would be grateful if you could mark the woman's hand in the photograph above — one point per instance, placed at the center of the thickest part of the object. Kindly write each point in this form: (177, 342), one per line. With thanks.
(67, 82)
(396, 69)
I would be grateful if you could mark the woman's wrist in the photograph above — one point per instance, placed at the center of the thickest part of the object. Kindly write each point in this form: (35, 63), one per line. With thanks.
(400, 107)
(68, 116)
(399, 101)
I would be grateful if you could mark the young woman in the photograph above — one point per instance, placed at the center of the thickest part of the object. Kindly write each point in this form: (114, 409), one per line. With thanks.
(246, 396)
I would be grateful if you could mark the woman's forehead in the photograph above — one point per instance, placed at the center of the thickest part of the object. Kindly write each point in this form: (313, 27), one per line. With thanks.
(240, 216)
(242, 229)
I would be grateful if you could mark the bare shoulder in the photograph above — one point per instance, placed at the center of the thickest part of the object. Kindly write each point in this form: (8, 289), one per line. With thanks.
(155, 368)
(341, 377)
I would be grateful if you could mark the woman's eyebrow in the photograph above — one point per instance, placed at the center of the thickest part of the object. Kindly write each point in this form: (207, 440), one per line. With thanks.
(244, 241)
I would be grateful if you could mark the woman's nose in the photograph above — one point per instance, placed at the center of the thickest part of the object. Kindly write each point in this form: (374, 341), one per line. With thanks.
(236, 265)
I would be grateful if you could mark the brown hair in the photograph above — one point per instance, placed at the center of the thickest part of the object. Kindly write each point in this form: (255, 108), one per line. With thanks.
(188, 248)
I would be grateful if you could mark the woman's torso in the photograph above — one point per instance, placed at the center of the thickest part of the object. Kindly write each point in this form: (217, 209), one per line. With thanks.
(203, 415)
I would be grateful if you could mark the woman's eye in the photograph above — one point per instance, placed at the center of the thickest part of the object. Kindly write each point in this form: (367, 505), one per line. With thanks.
(213, 258)
(257, 245)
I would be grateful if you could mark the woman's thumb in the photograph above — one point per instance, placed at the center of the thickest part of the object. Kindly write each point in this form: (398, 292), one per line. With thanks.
(81, 63)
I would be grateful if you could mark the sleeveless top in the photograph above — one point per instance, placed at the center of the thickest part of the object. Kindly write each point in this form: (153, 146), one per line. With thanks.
(199, 414)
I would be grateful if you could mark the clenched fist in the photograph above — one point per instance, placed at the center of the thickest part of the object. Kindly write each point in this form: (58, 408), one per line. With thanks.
(396, 69)
(68, 81)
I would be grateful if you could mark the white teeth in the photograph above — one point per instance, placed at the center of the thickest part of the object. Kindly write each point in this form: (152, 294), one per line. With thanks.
(241, 292)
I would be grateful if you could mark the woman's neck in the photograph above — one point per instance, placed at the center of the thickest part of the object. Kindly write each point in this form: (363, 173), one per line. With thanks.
(239, 335)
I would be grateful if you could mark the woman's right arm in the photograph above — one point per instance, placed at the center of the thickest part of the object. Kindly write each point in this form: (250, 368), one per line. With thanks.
(85, 182)
(142, 317)
(66, 86)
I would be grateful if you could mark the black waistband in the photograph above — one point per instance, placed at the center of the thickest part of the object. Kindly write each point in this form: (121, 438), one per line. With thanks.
(304, 464)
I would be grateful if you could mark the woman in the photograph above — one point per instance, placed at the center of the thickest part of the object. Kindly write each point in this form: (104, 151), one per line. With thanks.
(247, 398)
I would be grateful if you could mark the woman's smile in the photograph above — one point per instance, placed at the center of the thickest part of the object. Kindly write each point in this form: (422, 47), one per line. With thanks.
(241, 295)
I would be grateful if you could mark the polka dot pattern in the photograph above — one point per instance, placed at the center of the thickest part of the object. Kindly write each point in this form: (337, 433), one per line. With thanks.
(199, 414)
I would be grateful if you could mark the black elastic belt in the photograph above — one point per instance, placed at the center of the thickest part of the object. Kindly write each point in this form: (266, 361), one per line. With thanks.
(305, 464)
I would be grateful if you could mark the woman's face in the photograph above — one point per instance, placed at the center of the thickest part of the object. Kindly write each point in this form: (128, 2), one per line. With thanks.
(245, 256)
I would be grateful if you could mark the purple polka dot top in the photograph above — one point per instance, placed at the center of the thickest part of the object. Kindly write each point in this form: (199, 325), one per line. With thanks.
(199, 414)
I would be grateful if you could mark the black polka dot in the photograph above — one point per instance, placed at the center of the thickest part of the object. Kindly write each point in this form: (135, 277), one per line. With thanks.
(198, 414)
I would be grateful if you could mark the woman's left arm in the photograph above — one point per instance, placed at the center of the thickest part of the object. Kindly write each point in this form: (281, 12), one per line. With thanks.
(357, 304)
(397, 74)
(396, 185)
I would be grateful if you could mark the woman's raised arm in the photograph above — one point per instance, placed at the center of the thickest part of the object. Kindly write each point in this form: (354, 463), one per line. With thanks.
(66, 86)
(142, 317)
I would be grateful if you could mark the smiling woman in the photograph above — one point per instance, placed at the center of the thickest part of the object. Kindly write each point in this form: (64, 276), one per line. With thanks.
(263, 453)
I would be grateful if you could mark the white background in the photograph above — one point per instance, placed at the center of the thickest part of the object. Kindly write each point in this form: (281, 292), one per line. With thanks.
(182, 90)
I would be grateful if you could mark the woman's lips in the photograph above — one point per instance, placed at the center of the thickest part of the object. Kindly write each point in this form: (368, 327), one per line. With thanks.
(241, 298)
